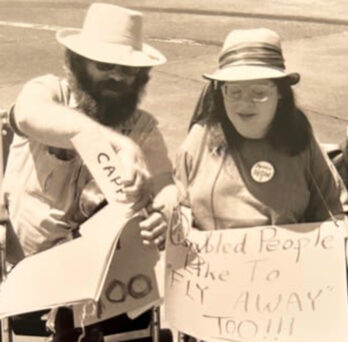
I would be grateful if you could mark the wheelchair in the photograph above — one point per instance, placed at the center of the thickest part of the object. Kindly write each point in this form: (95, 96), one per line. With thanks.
(32, 326)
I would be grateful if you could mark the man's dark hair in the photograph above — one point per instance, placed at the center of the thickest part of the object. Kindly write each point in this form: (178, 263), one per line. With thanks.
(76, 64)
(103, 109)
(290, 129)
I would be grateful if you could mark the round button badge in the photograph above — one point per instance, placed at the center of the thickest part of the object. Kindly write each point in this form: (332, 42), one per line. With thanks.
(262, 172)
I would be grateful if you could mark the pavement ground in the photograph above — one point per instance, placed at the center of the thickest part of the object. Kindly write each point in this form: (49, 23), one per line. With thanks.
(190, 35)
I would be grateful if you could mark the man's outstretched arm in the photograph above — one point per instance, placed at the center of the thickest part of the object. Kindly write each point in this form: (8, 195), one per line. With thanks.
(39, 116)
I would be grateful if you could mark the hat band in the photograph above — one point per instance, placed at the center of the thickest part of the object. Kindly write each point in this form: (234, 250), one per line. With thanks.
(257, 54)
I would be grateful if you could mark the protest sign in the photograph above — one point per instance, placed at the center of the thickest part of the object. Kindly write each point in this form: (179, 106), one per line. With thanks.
(102, 161)
(70, 273)
(130, 282)
(107, 266)
(285, 283)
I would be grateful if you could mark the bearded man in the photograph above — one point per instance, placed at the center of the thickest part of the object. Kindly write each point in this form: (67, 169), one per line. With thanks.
(107, 67)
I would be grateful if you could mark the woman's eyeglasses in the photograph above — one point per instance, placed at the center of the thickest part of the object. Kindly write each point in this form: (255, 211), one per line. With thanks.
(257, 92)
(124, 69)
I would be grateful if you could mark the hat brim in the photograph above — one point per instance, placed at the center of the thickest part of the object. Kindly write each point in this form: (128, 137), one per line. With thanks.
(251, 72)
(109, 52)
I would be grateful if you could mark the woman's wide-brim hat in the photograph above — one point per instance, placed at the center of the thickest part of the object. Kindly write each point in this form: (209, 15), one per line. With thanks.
(250, 55)
(111, 34)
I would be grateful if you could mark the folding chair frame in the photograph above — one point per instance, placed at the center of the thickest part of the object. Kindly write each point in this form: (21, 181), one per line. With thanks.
(5, 323)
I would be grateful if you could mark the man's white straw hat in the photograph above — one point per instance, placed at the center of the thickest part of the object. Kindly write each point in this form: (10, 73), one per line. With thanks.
(252, 54)
(111, 34)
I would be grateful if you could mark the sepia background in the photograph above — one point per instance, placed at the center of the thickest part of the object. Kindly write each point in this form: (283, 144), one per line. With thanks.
(190, 34)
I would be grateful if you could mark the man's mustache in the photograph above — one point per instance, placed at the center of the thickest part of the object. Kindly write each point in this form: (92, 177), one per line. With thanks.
(114, 85)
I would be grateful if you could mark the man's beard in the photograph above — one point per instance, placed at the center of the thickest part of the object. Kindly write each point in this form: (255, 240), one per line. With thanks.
(109, 102)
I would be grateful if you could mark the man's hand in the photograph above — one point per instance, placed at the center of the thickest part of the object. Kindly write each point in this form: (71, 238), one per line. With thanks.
(153, 228)
(134, 174)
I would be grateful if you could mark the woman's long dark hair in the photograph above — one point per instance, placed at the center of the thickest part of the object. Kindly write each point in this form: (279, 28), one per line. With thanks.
(290, 129)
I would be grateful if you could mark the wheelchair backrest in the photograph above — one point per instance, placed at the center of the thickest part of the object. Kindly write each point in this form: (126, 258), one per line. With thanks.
(6, 137)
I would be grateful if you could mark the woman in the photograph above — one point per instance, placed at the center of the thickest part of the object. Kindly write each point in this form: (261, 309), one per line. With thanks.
(250, 158)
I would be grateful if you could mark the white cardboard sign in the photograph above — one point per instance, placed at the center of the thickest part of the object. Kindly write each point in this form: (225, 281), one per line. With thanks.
(285, 284)
(64, 275)
(130, 282)
(108, 265)
(101, 160)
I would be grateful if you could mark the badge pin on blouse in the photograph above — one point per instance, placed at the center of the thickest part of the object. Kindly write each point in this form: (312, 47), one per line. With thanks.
(262, 172)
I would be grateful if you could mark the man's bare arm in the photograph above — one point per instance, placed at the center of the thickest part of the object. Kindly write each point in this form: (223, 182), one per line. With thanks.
(39, 116)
